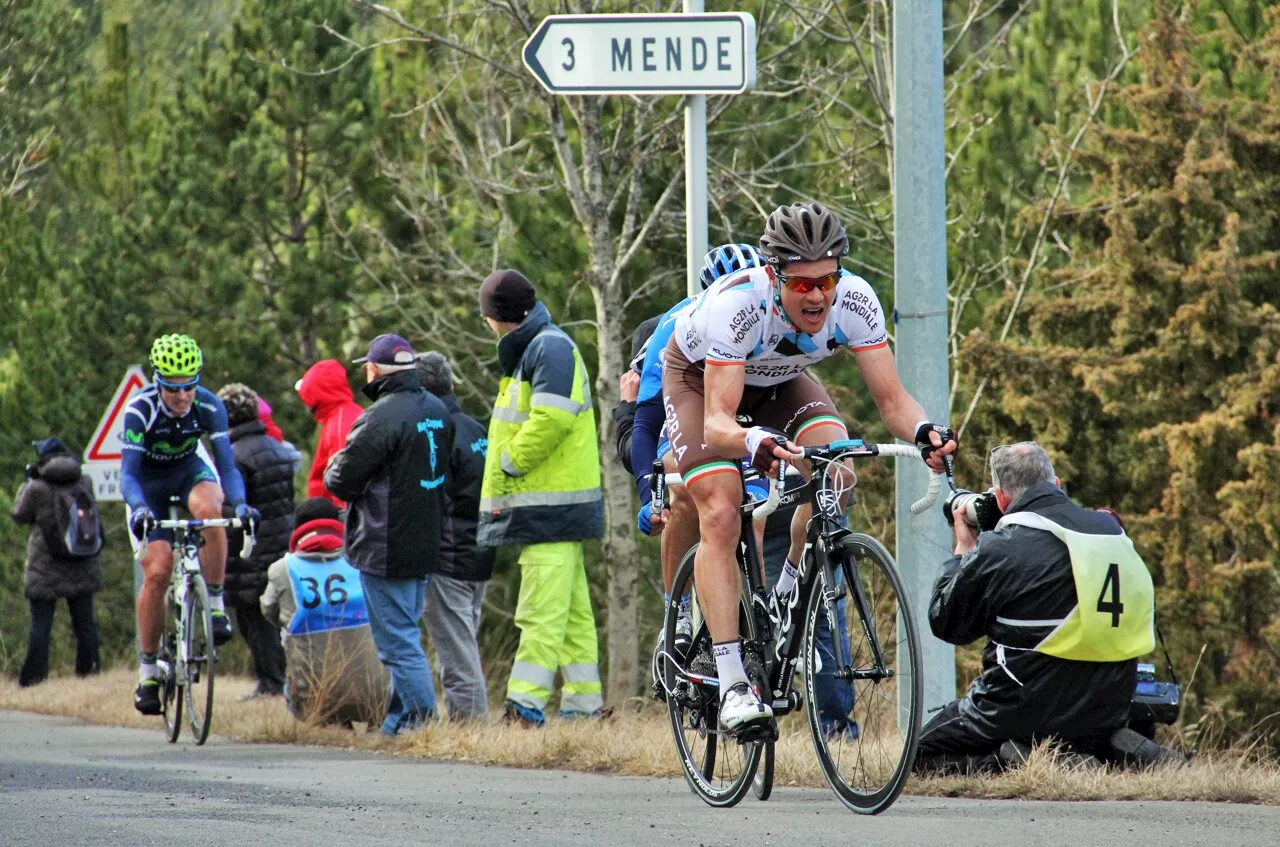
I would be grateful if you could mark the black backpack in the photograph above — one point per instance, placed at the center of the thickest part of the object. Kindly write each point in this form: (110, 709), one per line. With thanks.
(77, 526)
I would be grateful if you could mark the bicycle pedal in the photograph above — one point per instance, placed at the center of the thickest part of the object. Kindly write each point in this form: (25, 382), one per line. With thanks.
(757, 733)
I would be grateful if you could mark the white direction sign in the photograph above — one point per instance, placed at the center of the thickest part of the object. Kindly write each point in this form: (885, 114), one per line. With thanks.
(644, 54)
(102, 456)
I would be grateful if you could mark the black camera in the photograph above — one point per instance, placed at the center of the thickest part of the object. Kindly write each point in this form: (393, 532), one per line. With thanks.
(30, 472)
(977, 510)
(1153, 702)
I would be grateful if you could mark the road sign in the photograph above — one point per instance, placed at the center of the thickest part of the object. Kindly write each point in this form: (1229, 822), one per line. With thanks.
(102, 456)
(644, 54)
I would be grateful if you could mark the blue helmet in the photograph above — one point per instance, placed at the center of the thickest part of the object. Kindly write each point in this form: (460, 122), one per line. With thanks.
(727, 259)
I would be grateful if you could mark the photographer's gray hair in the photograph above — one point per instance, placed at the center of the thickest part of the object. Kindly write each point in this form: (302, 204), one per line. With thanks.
(1017, 467)
(435, 373)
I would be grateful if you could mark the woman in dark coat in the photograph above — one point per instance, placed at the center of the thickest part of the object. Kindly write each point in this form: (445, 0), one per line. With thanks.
(267, 467)
(48, 577)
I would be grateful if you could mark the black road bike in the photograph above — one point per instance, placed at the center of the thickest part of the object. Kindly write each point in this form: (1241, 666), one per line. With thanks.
(870, 661)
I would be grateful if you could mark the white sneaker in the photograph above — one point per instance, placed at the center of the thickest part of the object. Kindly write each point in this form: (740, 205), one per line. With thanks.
(740, 706)
(684, 636)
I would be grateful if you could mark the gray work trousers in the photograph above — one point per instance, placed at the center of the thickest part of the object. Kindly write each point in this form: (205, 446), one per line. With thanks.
(453, 622)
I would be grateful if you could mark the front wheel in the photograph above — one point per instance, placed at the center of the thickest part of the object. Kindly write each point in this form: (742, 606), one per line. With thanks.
(200, 659)
(716, 766)
(171, 689)
(864, 711)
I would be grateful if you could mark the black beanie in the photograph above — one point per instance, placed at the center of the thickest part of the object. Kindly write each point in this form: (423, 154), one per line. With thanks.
(314, 509)
(507, 295)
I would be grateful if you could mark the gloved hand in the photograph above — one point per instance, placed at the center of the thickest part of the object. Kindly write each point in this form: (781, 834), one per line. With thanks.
(761, 442)
(140, 520)
(644, 518)
(926, 445)
(248, 516)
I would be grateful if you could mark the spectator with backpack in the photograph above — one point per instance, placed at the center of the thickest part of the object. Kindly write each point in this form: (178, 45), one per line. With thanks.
(57, 501)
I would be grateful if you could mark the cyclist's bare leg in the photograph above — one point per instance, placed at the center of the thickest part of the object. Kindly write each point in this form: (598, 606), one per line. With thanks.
(815, 435)
(718, 497)
(205, 503)
(157, 565)
(682, 528)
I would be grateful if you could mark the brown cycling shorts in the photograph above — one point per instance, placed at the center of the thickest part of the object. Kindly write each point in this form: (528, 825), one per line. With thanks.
(790, 407)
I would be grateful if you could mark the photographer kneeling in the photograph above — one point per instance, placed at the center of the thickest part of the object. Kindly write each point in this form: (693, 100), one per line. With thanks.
(1067, 606)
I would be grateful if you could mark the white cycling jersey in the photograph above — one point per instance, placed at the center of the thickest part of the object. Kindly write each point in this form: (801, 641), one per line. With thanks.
(738, 321)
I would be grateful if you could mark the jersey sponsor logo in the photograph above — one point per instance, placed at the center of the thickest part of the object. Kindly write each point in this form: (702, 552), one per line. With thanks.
(861, 304)
(773, 371)
(135, 437)
(811, 409)
(742, 323)
(691, 339)
(720, 353)
(170, 450)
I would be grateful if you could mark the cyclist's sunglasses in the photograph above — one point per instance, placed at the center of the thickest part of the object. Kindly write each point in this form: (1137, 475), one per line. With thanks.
(177, 387)
(805, 284)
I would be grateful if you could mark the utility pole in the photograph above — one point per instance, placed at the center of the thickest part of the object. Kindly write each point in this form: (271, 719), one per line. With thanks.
(695, 177)
(920, 297)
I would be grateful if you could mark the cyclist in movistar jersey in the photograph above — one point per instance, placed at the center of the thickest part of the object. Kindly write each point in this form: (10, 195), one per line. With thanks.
(744, 346)
(163, 425)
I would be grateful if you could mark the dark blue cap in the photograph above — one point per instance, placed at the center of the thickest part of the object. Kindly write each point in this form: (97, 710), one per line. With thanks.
(49, 446)
(389, 349)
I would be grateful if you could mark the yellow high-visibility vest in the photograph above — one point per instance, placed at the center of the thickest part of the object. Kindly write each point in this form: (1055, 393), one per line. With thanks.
(1114, 616)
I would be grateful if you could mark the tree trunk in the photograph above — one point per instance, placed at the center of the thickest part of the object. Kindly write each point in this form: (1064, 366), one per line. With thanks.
(621, 555)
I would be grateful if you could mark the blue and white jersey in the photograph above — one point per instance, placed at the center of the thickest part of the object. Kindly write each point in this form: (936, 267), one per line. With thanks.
(154, 440)
(650, 359)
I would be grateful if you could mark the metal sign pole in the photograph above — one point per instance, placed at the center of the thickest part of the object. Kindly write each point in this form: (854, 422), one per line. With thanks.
(695, 177)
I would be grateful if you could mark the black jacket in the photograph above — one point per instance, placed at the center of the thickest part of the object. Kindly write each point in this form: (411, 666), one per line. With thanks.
(460, 556)
(267, 467)
(47, 577)
(1024, 574)
(392, 473)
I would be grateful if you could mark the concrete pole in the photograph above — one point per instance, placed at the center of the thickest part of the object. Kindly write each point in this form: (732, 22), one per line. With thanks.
(695, 176)
(920, 296)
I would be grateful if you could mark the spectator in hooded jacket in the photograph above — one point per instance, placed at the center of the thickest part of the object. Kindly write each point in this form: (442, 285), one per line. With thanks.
(267, 467)
(48, 577)
(455, 593)
(325, 391)
(334, 675)
(393, 471)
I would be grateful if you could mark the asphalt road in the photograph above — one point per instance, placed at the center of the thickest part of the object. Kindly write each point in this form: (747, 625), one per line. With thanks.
(63, 782)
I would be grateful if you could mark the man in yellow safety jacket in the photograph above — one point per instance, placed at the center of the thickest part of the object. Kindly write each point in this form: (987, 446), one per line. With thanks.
(541, 490)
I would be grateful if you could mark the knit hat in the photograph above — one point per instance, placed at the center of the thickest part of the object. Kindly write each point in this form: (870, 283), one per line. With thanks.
(507, 296)
(435, 373)
(241, 402)
(314, 509)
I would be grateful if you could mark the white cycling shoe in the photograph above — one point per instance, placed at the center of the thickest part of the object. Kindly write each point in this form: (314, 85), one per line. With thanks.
(741, 707)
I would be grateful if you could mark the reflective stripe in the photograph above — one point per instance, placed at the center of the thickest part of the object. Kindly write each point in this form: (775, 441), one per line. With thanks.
(507, 414)
(1014, 622)
(539, 676)
(587, 704)
(556, 401)
(1000, 659)
(509, 467)
(540, 498)
(581, 673)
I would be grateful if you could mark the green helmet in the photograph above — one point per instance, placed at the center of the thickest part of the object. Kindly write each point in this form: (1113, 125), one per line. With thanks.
(176, 355)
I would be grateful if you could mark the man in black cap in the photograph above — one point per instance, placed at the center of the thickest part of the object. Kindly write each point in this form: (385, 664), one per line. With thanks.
(392, 473)
(541, 490)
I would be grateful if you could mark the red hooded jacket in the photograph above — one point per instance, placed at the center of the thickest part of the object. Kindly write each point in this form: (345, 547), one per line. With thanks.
(325, 390)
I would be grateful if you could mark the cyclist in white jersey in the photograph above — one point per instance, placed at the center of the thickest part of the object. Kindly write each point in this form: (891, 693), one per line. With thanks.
(742, 349)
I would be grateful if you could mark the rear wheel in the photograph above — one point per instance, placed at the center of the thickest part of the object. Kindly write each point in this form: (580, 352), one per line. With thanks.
(171, 692)
(716, 766)
(762, 785)
(200, 660)
(864, 717)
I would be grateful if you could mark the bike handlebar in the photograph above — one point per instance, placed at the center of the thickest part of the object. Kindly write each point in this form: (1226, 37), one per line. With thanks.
(849, 448)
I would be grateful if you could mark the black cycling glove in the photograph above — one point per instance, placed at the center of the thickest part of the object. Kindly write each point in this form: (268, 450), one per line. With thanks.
(926, 447)
(760, 441)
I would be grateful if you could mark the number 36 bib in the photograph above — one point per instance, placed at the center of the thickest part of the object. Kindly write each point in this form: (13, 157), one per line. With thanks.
(1114, 616)
(328, 594)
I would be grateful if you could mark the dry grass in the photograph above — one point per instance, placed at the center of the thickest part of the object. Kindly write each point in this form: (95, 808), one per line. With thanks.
(637, 742)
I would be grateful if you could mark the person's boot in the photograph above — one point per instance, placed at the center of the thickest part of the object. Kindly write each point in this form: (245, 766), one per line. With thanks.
(1138, 751)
